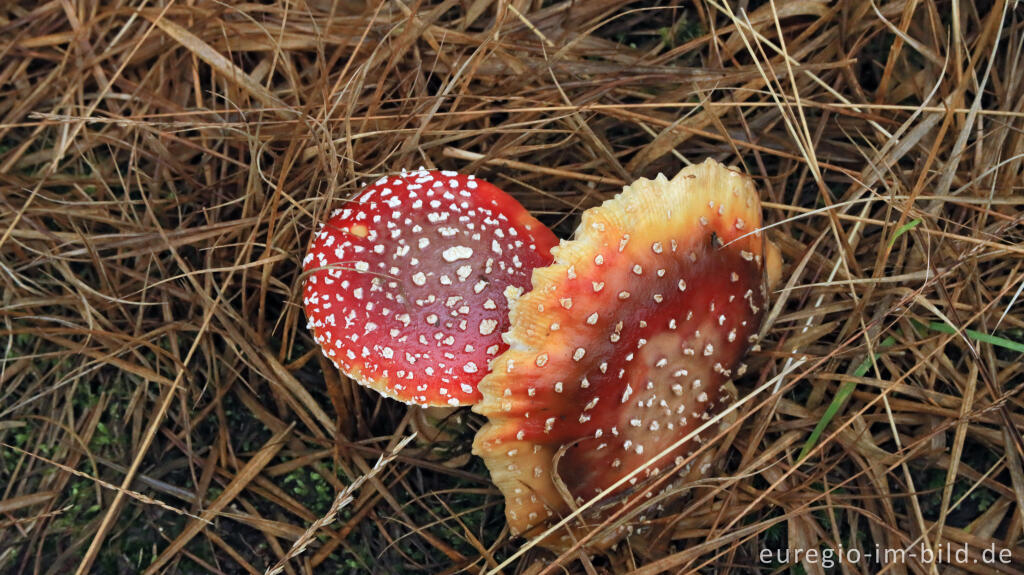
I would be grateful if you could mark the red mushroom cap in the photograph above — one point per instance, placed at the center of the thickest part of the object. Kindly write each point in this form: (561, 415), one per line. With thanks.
(404, 286)
(627, 342)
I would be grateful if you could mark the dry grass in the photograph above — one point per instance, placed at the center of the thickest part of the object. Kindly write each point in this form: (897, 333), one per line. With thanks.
(163, 409)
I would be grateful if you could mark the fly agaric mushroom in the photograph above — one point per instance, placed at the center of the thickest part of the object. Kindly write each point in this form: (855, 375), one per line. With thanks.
(404, 286)
(626, 344)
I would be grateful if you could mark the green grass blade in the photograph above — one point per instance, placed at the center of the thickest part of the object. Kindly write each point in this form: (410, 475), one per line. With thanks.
(904, 229)
(845, 391)
(979, 336)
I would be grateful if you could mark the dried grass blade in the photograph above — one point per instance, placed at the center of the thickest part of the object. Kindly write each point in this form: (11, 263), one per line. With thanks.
(133, 494)
(218, 62)
(340, 502)
(15, 503)
(245, 475)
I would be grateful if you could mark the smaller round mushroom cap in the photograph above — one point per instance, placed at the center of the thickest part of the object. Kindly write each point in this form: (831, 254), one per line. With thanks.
(626, 345)
(404, 283)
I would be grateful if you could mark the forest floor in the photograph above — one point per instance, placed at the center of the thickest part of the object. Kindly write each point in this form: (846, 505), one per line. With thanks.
(163, 166)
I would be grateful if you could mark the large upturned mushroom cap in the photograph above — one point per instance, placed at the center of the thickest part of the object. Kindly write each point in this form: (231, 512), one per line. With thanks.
(404, 284)
(627, 342)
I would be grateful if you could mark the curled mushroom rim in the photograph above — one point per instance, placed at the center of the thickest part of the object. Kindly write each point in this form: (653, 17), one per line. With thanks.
(625, 258)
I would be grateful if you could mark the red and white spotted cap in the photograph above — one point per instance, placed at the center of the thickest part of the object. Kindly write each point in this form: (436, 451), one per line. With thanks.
(404, 283)
(626, 344)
